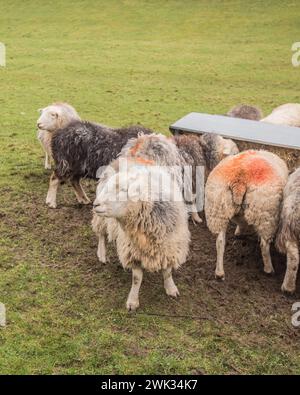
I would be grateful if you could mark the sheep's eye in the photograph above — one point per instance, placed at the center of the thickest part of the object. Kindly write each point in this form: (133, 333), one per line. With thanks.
(53, 115)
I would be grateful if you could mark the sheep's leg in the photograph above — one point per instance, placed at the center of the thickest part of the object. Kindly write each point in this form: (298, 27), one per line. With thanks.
(52, 191)
(242, 228)
(289, 283)
(79, 192)
(195, 217)
(133, 298)
(220, 244)
(101, 252)
(47, 161)
(169, 284)
(265, 251)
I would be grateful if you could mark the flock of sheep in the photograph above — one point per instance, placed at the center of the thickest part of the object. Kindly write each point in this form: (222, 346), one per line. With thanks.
(252, 189)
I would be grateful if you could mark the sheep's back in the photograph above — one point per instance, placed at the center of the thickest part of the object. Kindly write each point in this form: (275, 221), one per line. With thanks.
(81, 148)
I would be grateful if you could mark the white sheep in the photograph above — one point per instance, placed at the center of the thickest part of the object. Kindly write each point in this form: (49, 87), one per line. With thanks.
(52, 118)
(288, 236)
(148, 219)
(287, 114)
(247, 189)
(145, 150)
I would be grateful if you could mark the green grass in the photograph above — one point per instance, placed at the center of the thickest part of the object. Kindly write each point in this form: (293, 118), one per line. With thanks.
(124, 62)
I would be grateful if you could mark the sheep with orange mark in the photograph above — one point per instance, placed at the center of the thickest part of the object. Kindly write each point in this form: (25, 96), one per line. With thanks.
(288, 236)
(204, 151)
(246, 189)
(145, 211)
(146, 150)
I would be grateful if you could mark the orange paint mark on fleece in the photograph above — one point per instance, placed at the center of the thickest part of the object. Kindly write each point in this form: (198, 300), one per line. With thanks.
(247, 168)
(136, 147)
(134, 150)
(143, 161)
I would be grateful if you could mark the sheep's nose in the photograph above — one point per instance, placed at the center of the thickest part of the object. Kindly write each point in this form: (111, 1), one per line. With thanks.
(39, 125)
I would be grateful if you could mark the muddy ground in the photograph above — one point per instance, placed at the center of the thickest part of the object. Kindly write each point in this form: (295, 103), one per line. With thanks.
(52, 282)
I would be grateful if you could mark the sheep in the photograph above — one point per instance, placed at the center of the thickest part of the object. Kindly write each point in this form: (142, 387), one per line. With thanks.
(286, 114)
(80, 150)
(53, 117)
(246, 112)
(145, 150)
(194, 151)
(288, 235)
(150, 227)
(247, 189)
(206, 151)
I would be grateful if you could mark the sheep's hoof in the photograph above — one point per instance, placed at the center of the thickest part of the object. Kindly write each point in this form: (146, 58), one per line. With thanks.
(102, 259)
(51, 204)
(132, 305)
(287, 291)
(84, 201)
(269, 272)
(238, 231)
(173, 292)
(220, 276)
(196, 219)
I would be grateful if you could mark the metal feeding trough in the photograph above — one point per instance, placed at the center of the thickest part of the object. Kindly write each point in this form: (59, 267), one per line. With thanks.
(280, 139)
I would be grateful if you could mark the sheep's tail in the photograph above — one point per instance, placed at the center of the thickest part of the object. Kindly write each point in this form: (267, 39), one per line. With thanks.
(238, 191)
(287, 230)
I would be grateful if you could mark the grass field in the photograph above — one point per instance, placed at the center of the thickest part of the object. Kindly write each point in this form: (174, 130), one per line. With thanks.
(124, 62)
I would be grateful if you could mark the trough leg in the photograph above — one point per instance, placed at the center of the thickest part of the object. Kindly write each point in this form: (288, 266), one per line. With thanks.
(52, 191)
(220, 244)
(101, 252)
(133, 298)
(79, 192)
(169, 284)
(265, 251)
(289, 283)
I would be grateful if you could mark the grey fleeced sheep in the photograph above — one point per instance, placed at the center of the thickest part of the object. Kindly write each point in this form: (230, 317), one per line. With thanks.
(286, 114)
(80, 150)
(150, 228)
(52, 118)
(173, 153)
(247, 189)
(288, 236)
(204, 151)
(146, 150)
(245, 111)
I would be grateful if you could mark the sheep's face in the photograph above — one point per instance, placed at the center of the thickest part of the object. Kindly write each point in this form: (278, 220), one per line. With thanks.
(117, 197)
(50, 118)
(124, 192)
